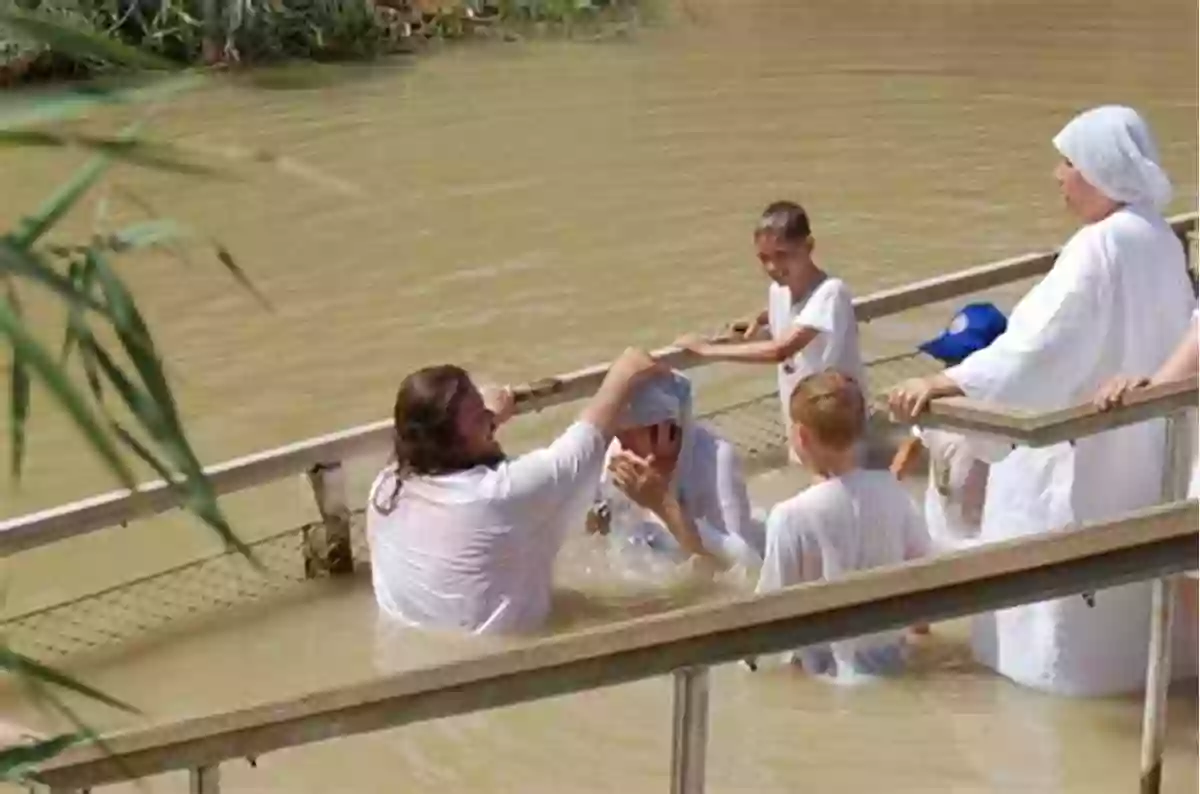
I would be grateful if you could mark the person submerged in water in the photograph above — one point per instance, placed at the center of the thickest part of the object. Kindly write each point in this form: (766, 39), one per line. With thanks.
(464, 538)
(673, 484)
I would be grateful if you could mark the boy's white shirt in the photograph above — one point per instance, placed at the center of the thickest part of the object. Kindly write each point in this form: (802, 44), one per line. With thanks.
(863, 519)
(828, 309)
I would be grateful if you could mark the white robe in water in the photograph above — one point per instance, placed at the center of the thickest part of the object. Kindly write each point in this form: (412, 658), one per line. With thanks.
(474, 551)
(855, 522)
(707, 480)
(1116, 303)
(1194, 485)
(954, 493)
(712, 490)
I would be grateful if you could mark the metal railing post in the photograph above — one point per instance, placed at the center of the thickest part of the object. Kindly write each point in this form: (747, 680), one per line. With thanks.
(329, 551)
(204, 780)
(689, 730)
(1162, 618)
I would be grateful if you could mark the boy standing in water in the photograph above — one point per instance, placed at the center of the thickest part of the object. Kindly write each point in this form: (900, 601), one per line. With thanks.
(809, 314)
(850, 519)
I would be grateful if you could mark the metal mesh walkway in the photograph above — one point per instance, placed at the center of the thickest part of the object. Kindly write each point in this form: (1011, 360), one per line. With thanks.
(174, 598)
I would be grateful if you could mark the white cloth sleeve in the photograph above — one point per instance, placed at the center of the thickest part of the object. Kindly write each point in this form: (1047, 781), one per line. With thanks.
(732, 497)
(820, 311)
(1054, 338)
(966, 446)
(547, 478)
(785, 562)
(917, 543)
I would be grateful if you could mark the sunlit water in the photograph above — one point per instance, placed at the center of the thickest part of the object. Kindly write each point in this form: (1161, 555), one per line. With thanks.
(530, 208)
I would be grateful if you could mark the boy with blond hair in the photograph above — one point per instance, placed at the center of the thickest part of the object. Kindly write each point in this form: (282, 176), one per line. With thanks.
(849, 519)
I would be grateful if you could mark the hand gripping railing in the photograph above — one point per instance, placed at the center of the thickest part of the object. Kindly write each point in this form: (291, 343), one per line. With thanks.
(322, 457)
(1154, 543)
(1172, 401)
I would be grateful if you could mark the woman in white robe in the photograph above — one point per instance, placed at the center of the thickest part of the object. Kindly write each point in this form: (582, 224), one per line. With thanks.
(1116, 302)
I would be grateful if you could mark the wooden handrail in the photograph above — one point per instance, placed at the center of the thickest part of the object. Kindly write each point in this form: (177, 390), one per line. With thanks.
(976, 279)
(1019, 427)
(1150, 543)
(1055, 427)
(43, 527)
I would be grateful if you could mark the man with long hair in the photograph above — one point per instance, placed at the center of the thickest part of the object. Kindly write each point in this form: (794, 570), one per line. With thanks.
(461, 536)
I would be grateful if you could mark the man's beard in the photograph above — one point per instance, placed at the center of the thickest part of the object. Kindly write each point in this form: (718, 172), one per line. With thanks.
(491, 459)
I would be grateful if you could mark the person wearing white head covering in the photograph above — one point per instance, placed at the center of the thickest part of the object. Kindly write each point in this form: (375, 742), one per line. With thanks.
(1112, 148)
(1115, 302)
(706, 491)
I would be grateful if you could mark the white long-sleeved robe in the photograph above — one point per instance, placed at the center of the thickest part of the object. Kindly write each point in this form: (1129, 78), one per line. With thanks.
(713, 491)
(1116, 303)
(474, 550)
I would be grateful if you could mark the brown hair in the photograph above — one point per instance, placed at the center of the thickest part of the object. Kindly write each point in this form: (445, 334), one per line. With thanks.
(829, 405)
(425, 434)
(786, 221)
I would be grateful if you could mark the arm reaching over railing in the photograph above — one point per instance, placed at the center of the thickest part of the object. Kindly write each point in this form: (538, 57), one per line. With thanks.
(1054, 427)
(909, 399)
(1184, 363)
(62, 522)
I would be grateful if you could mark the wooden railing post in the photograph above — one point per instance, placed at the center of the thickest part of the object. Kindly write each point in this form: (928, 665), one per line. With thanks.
(328, 551)
(204, 780)
(1162, 618)
(689, 730)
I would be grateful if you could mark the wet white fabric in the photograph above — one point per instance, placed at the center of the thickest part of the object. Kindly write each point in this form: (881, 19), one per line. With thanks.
(1114, 150)
(664, 399)
(1116, 303)
(712, 491)
(474, 550)
(953, 497)
(828, 309)
(1194, 485)
(861, 520)
(667, 398)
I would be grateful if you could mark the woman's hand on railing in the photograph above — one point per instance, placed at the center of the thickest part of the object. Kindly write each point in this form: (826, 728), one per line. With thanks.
(911, 397)
(1113, 393)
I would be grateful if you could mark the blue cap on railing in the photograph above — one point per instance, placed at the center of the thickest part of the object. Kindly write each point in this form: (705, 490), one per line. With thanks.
(975, 327)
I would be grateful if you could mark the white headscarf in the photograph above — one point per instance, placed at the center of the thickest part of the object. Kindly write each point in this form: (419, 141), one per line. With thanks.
(1113, 148)
(667, 398)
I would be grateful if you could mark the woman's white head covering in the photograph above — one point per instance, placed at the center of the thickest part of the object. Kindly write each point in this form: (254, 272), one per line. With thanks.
(666, 398)
(1113, 148)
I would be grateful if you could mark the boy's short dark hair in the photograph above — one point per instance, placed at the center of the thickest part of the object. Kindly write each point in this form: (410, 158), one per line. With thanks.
(784, 220)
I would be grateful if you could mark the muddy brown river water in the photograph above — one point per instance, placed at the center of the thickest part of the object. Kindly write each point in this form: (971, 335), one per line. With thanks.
(529, 208)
